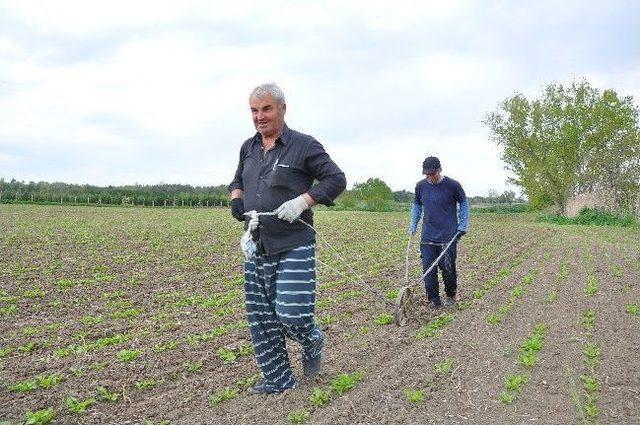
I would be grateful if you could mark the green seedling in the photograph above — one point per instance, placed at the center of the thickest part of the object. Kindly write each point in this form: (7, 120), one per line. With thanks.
(146, 383)
(319, 397)
(413, 396)
(170, 345)
(24, 386)
(591, 288)
(248, 382)
(27, 348)
(633, 309)
(128, 355)
(508, 397)
(518, 291)
(528, 359)
(494, 318)
(298, 416)
(445, 366)
(107, 395)
(327, 319)
(514, 382)
(227, 356)
(39, 417)
(77, 406)
(223, 395)
(431, 329)
(345, 382)
(193, 366)
(590, 383)
(48, 381)
(384, 319)
(590, 406)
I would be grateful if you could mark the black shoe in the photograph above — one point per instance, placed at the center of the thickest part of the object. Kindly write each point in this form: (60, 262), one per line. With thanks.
(449, 301)
(261, 388)
(311, 364)
(435, 305)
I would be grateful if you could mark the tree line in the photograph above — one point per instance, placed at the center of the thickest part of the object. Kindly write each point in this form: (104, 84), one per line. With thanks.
(372, 195)
(147, 195)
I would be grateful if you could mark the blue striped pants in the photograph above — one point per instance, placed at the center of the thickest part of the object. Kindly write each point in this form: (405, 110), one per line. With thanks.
(280, 293)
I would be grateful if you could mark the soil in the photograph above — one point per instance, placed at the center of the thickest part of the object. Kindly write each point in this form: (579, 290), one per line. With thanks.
(158, 260)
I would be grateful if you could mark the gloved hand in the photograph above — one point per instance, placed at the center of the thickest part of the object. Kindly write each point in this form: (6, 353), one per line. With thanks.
(460, 234)
(291, 210)
(247, 243)
(237, 209)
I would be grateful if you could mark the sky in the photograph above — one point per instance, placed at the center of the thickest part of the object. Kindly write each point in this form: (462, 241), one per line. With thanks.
(124, 92)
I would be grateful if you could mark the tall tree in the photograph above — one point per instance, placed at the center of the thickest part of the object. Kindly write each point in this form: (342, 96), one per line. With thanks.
(569, 141)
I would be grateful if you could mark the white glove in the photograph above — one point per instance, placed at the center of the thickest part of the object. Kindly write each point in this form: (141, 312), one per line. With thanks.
(292, 209)
(247, 244)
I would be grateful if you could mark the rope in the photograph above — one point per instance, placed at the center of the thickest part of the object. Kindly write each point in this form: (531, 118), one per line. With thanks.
(254, 215)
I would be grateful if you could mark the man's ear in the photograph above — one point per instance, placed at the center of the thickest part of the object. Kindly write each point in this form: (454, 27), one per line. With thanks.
(284, 107)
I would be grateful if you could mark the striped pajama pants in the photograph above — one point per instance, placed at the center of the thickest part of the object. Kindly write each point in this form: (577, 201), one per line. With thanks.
(280, 293)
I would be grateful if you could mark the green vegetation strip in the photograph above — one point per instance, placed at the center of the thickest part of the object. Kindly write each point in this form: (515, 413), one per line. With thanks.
(528, 358)
(586, 402)
(517, 292)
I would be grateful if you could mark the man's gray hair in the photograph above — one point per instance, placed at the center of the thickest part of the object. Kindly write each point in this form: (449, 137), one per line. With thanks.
(270, 89)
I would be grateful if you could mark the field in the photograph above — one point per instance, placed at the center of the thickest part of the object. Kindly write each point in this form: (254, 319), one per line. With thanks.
(134, 315)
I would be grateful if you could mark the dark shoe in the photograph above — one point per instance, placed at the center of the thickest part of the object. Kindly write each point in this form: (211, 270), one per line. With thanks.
(311, 361)
(261, 388)
(449, 301)
(435, 305)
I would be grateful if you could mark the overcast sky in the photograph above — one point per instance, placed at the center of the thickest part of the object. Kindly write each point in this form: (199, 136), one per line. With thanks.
(123, 92)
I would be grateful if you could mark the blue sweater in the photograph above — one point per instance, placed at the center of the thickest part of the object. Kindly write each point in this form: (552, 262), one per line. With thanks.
(439, 202)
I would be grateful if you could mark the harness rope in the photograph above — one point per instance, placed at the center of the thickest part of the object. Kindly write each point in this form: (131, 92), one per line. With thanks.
(360, 281)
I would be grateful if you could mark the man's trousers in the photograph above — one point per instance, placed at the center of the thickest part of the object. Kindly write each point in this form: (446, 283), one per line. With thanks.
(280, 293)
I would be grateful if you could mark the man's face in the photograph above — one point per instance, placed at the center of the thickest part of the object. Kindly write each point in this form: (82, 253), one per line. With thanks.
(267, 114)
(433, 177)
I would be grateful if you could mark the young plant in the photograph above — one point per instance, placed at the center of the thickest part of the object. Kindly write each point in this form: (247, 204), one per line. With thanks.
(223, 395)
(319, 397)
(39, 417)
(345, 382)
(193, 366)
(413, 396)
(384, 319)
(107, 395)
(298, 416)
(444, 366)
(146, 383)
(128, 355)
(79, 406)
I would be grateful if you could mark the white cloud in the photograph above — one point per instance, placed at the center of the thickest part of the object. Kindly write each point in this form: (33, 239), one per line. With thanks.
(158, 90)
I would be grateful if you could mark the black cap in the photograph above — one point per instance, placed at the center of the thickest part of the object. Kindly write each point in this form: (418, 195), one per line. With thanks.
(430, 165)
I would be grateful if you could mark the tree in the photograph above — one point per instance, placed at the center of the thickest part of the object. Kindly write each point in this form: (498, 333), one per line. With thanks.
(569, 141)
(372, 195)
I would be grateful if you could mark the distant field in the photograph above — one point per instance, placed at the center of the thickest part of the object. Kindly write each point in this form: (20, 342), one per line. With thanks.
(135, 315)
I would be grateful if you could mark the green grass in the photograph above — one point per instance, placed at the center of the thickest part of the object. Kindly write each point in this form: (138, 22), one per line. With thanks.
(593, 217)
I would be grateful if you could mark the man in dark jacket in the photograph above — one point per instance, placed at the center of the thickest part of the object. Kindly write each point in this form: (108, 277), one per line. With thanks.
(275, 173)
(446, 213)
